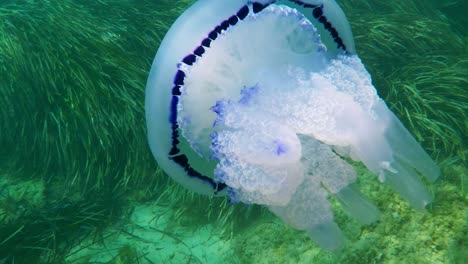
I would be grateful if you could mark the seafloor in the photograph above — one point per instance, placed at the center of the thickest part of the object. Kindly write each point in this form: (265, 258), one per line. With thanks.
(78, 183)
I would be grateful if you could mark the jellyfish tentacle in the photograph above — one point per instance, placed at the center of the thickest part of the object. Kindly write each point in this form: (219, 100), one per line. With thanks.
(356, 205)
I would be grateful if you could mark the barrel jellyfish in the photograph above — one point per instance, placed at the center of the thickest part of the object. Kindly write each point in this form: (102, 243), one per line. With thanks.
(267, 102)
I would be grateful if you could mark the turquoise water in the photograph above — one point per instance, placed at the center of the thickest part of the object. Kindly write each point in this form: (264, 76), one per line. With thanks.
(79, 185)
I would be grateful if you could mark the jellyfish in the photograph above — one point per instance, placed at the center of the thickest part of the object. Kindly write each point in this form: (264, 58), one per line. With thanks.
(267, 102)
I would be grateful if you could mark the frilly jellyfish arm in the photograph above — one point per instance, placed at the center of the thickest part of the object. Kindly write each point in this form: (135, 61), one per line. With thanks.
(246, 98)
(187, 39)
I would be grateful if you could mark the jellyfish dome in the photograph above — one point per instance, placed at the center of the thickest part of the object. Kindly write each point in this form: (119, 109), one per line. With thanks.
(265, 101)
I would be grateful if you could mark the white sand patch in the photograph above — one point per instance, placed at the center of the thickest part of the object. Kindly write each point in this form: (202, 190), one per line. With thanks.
(150, 237)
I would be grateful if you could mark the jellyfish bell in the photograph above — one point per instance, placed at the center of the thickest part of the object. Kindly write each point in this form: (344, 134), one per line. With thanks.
(194, 31)
(256, 99)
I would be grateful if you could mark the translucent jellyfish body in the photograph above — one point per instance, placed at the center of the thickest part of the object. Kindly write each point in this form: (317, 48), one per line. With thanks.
(262, 101)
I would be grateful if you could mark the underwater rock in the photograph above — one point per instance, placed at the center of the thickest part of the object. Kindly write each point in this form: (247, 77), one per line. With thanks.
(262, 100)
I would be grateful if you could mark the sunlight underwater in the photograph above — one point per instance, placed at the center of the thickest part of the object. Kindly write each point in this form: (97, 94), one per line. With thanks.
(262, 100)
